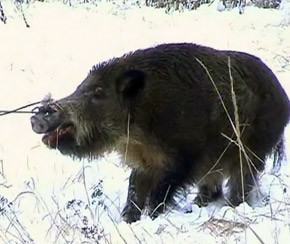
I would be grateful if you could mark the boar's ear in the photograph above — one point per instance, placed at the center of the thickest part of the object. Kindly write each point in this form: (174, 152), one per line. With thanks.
(130, 83)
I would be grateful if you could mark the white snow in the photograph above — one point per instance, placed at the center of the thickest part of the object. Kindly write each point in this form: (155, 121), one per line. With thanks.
(54, 55)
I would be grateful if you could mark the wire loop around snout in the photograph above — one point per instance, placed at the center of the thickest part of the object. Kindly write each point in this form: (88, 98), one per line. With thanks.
(19, 110)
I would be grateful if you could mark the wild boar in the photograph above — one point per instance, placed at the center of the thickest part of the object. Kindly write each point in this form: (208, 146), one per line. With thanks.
(179, 114)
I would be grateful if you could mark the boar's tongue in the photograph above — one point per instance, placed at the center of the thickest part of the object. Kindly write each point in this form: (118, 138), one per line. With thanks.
(54, 138)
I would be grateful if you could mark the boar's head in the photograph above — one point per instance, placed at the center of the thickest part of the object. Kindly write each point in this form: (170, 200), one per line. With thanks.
(91, 120)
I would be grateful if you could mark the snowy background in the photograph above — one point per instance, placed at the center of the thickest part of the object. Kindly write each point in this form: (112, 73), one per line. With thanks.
(49, 198)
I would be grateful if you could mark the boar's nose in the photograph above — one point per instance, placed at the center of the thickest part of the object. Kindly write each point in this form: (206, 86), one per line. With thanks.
(39, 125)
(45, 121)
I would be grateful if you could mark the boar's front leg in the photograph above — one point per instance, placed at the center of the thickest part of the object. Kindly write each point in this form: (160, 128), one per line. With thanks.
(162, 194)
(140, 184)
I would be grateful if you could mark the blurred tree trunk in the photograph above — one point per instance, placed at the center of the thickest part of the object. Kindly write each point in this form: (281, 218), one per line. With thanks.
(194, 4)
(267, 3)
(3, 17)
(176, 4)
(285, 9)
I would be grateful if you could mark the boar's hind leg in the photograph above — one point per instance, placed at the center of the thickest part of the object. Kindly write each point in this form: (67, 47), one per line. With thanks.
(241, 186)
(140, 184)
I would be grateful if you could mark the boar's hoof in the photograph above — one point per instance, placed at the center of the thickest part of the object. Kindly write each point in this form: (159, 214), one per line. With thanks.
(131, 214)
(207, 195)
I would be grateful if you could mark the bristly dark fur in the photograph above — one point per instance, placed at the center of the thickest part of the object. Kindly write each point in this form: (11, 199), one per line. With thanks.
(159, 108)
(96, 67)
(101, 65)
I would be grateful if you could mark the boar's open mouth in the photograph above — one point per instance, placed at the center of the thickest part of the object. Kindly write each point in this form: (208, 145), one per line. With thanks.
(62, 135)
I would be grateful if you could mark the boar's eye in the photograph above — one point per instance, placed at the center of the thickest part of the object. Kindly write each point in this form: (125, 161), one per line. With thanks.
(97, 95)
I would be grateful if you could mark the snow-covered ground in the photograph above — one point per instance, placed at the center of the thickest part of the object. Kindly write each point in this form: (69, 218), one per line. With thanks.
(52, 194)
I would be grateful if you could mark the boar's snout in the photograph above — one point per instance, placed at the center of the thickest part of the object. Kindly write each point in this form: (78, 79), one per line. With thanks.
(39, 125)
(45, 120)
